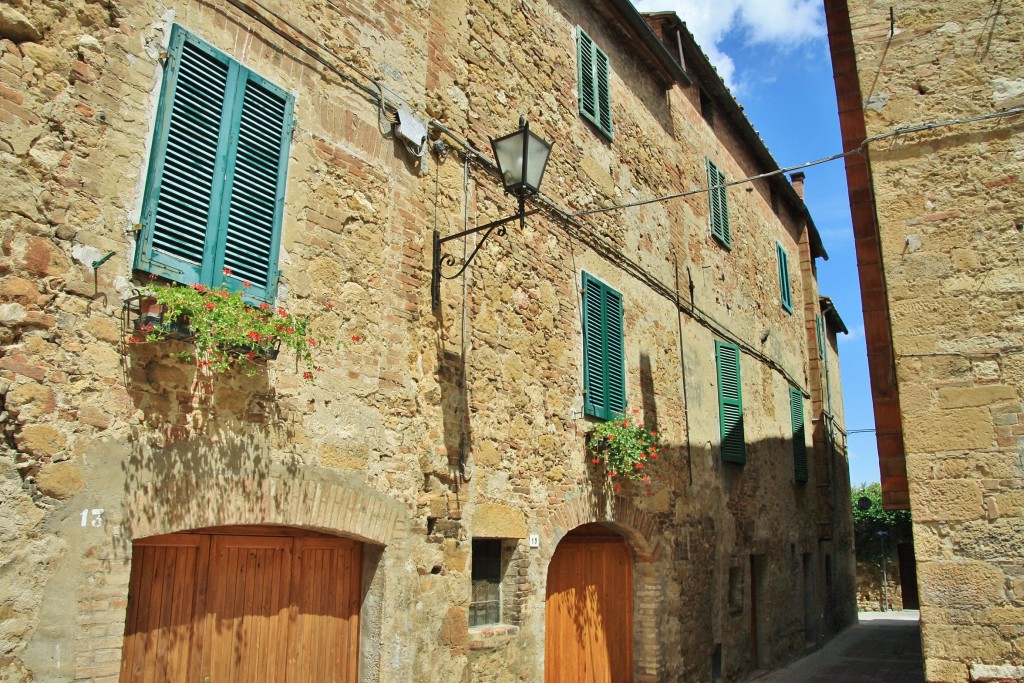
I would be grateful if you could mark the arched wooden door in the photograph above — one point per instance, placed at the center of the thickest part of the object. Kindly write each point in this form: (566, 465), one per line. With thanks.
(244, 604)
(589, 612)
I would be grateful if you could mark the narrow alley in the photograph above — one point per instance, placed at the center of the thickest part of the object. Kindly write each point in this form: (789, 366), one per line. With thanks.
(885, 647)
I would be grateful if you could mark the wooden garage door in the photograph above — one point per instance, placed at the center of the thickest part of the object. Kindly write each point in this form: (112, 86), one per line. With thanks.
(241, 607)
(589, 610)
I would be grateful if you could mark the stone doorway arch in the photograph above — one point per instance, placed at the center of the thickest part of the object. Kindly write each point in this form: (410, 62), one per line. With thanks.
(639, 530)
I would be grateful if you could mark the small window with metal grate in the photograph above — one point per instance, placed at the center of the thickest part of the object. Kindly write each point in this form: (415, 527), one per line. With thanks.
(485, 607)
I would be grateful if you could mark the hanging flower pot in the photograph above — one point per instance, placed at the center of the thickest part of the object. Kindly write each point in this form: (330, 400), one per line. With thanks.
(148, 319)
(627, 449)
(225, 329)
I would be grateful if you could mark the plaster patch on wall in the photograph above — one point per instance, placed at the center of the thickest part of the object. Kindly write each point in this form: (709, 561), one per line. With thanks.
(992, 672)
(86, 255)
(877, 101)
(1007, 88)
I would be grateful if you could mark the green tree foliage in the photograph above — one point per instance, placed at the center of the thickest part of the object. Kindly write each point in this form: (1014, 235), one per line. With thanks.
(867, 524)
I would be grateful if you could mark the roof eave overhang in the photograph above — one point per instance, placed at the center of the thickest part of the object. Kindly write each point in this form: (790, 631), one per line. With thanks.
(670, 70)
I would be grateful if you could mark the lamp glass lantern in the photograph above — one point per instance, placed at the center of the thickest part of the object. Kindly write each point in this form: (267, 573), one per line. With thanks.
(522, 157)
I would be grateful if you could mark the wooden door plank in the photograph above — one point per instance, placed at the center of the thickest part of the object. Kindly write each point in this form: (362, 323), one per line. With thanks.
(326, 597)
(588, 623)
(161, 609)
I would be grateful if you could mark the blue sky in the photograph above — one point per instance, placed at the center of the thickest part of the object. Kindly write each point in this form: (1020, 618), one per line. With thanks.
(774, 56)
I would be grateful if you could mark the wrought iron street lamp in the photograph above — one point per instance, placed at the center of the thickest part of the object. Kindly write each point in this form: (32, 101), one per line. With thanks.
(522, 157)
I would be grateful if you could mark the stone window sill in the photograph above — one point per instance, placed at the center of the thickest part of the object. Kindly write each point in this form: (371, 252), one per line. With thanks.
(491, 636)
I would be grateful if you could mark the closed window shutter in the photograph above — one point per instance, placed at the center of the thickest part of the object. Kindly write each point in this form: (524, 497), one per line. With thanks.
(594, 83)
(615, 361)
(784, 287)
(593, 351)
(250, 244)
(187, 168)
(604, 375)
(821, 342)
(604, 96)
(587, 84)
(730, 403)
(215, 191)
(719, 207)
(796, 409)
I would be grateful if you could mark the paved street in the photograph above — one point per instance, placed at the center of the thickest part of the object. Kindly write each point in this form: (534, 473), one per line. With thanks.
(885, 647)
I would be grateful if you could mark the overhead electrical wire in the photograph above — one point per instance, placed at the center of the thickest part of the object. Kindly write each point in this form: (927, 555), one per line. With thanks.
(817, 162)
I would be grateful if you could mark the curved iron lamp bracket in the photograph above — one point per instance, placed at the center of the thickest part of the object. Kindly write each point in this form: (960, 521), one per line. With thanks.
(449, 260)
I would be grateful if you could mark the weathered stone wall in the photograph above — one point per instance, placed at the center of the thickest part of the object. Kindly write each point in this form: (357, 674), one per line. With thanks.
(106, 442)
(950, 220)
(871, 595)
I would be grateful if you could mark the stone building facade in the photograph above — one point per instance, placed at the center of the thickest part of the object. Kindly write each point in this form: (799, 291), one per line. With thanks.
(937, 213)
(412, 513)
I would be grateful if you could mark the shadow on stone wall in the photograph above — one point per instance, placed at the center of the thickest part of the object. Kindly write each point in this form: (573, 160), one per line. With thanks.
(209, 442)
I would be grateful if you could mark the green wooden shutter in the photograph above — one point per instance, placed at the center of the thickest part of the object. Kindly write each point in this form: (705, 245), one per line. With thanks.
(796, 410)
(215, 189)
(719, 207)
(784, 287)
(604, 96)
(249, 245)
(604, 376)
(615, 365)
(730, 403)
(821, 341)
(187, 162)
(593, 351)
(587, 85)
(594, 75)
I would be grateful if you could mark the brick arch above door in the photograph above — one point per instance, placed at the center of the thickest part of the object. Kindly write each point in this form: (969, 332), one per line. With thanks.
(641, 533)
(181, 503)
(622, 514)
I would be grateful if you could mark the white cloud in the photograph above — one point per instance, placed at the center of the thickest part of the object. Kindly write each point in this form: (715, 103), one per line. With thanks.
(856, 335)
(786, 22)
(780, 23)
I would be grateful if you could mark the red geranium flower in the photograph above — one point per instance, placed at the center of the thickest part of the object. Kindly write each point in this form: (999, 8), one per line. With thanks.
(264, 306)
(210, 306)
(246, 284)
(356, 338)
(307, 375)
(251, 355)
(228, 271)
(311, 341)
(199, 288)
(254, 335)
